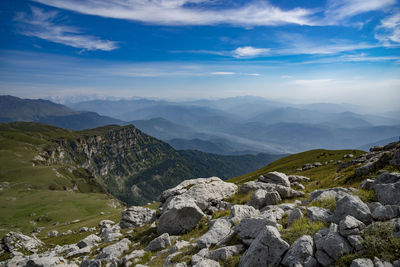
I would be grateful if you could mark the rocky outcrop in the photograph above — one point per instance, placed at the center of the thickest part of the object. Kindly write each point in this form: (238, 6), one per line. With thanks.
(160, 242)
(301, 253)
(137, 216)
(15, 241)
(352, 205)
(239, 212)
(202, 190)
(275, 178)
(180, 215)
(219, 230)
(266, 250)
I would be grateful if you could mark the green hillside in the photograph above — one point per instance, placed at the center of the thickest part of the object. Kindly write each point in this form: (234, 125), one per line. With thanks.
(34, 196)
(49, 174)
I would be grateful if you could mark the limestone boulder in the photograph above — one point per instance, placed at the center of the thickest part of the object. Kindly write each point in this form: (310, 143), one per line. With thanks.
(136, 216)
(266, 250)
(180, 215)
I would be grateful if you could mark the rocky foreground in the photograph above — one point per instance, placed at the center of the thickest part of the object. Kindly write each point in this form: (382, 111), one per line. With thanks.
(251, 232)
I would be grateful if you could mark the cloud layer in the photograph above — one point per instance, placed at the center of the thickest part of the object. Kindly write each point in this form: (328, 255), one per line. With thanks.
(45, 25)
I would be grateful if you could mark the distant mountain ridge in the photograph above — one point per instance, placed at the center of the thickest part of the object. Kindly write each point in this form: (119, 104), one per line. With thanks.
(132, 166)
(44, 111)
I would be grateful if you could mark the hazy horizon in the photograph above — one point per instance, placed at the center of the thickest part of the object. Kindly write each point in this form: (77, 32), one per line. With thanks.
(345, 51)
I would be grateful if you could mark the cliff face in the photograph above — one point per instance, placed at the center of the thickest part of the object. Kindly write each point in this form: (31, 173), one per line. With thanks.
(112, 154)
(135, 167)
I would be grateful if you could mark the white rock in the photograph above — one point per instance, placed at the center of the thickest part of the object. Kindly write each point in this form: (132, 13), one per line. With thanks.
(266, 250)
(180, 215)
(219, 230)
(301, 250)
(115, 250)
(239, 212)
(160, 242)
(319, 214)
(352, 205)
(136, 216)
(362, 263)
(275, 178)
(350, 226)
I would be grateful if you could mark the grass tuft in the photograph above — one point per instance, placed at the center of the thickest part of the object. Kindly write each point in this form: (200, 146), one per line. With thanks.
(328, 203)
(299, 228)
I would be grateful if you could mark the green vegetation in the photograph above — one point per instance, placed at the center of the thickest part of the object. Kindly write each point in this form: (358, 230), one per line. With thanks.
(327, 203)
(366, 195)
(239, 198)
(222, 213)
(299, 228)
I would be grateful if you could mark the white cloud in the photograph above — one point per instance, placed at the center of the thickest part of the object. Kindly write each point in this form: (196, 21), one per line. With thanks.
(44, 25)
(339, 10)
(187, 12)
(388, 32)
(313, 82)
(222, 73)
(249, 51)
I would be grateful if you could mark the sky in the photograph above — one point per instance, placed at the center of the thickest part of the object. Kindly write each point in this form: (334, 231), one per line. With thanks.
(303, 51)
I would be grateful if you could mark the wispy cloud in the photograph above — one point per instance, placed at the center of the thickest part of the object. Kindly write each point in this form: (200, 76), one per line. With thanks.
(340, 10)
(249, 51)
(187, 12)
(388, 31)
(44, 25)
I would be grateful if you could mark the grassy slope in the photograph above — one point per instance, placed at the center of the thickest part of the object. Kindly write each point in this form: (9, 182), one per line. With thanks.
(30, 186)
(322, 177)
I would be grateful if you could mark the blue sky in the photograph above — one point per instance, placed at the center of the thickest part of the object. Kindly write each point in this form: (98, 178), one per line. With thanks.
(303, 51)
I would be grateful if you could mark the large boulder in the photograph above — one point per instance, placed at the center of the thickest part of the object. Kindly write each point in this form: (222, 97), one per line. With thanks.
(239, 212)
(388, 194)
(284, 191)
(334, 244)
(325, 194)
(15, 241)
(395, 161)
(300, 252)
(272, 198)
(319, 214)
(298, 178)
(137, 216)
(354, 206)
(224, 253)
(266, 250)
(362, 262)
(294, 215)
(219, 230)
(89, 241)
(249, 228)
(388, 178)
(257, 200)
(180, 215)
(387, 212)
(350, 226)
(114, 251)
(275, 178)
(202, 191)
(160, 242)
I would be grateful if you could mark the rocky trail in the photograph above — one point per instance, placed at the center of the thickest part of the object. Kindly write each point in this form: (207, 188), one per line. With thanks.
(200, 222)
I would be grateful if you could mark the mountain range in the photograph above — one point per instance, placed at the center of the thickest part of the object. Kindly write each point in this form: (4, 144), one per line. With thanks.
(231, 126)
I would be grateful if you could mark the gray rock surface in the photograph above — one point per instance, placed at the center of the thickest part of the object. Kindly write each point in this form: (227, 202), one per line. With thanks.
(219, 230)
(14, 241)
(356, 241)
(136, 216)
(352, 205)
(180, 215)
(301, 250)
(224, 253)
(319, 214)
(201, 190)
(249, 228)
(331, 193)
(257, 200)
(275, 178)
(160, 242)
(388, 194)
(207, 263)
(387, 212)
(323, 258)
(272, 198)
(89, 241)
(266, 250)
(115, 250)
(298, 178)
(284, 191)
(350, 226)
(295, 215)
(239, 212)
(334, 244)
(362, 262)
